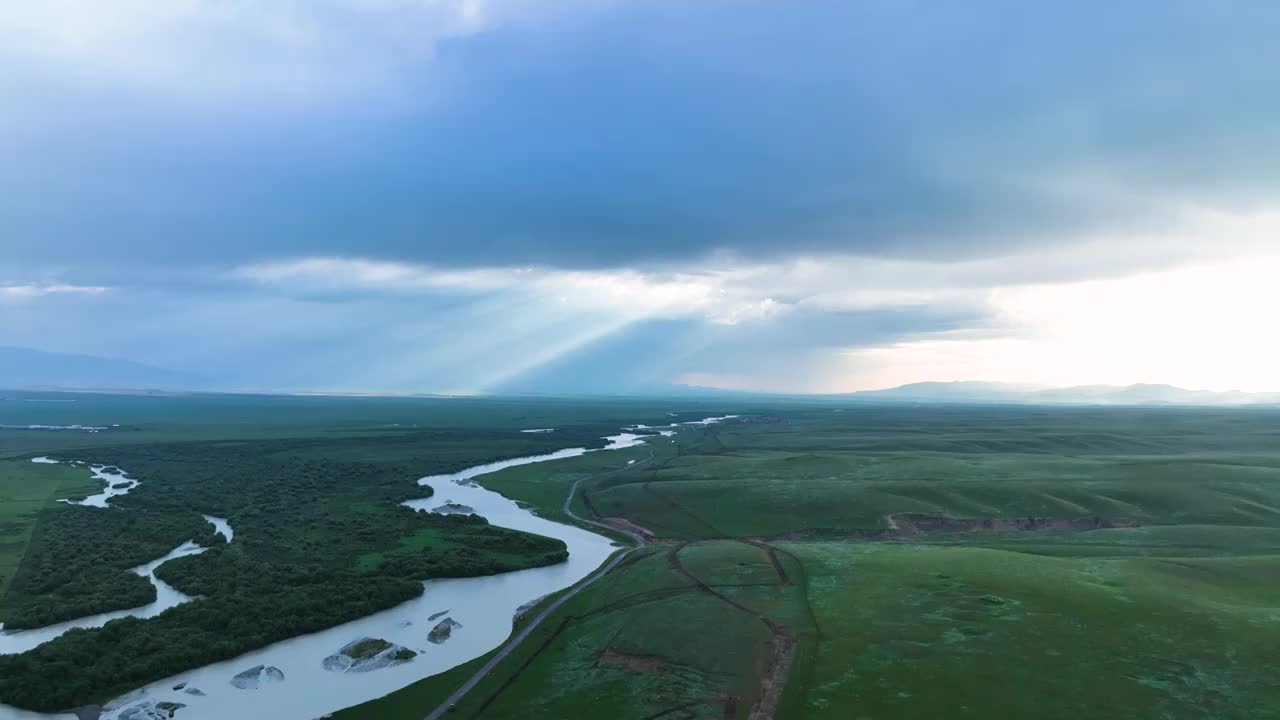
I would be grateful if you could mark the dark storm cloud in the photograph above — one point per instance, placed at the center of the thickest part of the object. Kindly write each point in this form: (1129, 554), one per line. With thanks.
(659, 132)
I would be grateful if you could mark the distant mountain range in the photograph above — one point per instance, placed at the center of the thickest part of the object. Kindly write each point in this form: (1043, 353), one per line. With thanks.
(993, 393)
(1007, 393)
(25, 369)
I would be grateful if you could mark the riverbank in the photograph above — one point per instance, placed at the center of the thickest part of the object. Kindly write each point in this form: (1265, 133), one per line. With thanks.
(483, 608)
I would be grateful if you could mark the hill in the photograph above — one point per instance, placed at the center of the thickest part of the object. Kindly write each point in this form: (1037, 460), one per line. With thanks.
(26, 369)
(1007, 393)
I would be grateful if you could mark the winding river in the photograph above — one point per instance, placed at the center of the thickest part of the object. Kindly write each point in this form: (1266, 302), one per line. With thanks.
(117, 482)
(289, 680)
(166, 597)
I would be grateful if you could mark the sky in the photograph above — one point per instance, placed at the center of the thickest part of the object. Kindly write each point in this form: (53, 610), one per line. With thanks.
(484, 196)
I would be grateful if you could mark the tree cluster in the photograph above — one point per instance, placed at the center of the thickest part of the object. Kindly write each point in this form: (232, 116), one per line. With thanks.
(320, 539)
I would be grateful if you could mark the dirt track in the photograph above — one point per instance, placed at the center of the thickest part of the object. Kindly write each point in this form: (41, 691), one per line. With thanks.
(782, 642)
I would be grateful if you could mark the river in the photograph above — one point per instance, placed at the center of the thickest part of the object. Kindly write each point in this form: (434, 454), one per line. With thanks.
(294, 683)
(166, 597)
(117, 483)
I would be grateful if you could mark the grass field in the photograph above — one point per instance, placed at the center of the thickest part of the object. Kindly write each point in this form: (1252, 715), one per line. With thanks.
(917, 631)
(162, 418)
(850, 473)
(778, 562)
(636, 643)
(896, 631)
(25, 489)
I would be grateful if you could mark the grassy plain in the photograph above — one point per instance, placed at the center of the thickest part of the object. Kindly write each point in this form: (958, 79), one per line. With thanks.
(26, 488)
(920, 631)
(777, 549)
(167, 418)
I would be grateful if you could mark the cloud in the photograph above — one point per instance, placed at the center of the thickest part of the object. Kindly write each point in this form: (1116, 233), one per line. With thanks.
(806, 325)
(467, 194)
(627, 133)
(622, 292)
(25, 292)
(612, 329)
(1200, 327)
(269, 51)
(328, 273)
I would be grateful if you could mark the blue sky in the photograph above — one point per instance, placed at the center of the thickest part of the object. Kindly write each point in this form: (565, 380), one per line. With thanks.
(613, 195)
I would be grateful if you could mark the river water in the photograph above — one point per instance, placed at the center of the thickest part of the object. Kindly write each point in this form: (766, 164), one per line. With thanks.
(484, 609)
(221, 526)
(166, 597)
(117, 483)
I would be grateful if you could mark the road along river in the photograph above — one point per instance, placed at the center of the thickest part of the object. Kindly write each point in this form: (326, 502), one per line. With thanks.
(305, 677)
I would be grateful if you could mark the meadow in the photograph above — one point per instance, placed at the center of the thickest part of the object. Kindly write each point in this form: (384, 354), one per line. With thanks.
(167, 417)
(921, 562)
(27, 488)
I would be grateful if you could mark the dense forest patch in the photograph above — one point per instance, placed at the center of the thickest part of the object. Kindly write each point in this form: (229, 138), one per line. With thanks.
(27, 489)
(320, 539)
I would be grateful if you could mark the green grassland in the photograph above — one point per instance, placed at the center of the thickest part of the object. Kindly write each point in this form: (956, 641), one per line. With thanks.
(776, 550)
(169, 418)
(635, 643)
(894, 631)
(919, 631)
(849, 472)
(26, 488)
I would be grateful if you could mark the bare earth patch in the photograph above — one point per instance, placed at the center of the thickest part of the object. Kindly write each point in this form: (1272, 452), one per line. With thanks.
(775, 676)
(625, 524)
(648, 664)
